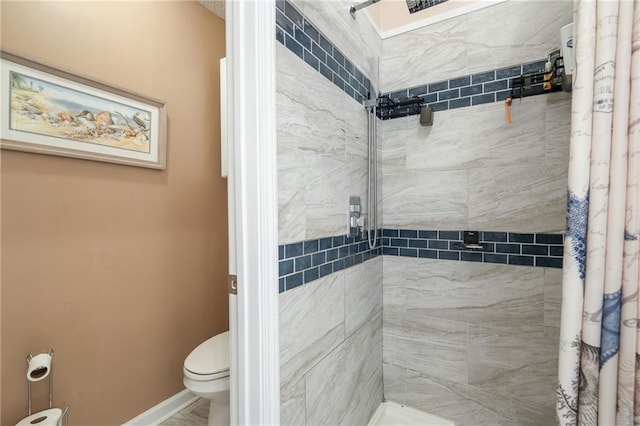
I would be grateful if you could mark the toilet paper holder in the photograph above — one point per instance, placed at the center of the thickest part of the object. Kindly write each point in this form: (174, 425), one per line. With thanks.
(40, 367)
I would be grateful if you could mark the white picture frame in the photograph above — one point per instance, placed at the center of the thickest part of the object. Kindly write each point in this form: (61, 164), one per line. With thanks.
(49, 111)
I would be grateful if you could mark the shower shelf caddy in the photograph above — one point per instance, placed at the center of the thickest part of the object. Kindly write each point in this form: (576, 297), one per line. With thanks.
(389, 108)
(522, 86)
(539, 83)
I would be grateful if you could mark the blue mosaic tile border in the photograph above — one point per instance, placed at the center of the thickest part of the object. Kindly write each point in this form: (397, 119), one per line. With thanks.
(507, 248)
(299, 35)
(306, 261)
(468, 90)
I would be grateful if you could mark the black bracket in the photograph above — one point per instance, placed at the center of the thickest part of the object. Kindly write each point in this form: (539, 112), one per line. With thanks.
(390, 108)
(538, 83)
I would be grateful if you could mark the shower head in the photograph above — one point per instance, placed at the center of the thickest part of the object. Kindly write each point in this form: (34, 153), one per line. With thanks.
(355, 7)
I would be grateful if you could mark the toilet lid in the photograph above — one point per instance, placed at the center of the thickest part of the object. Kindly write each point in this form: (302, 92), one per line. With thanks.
(211, 357)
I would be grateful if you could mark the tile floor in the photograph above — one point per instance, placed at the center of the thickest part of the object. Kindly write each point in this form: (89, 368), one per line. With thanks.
(388, 414)
(193, 415)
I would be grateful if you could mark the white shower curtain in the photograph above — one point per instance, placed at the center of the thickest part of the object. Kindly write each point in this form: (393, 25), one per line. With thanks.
(599, 377)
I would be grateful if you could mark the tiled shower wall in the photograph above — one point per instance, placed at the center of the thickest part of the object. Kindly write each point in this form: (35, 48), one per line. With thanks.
(356, 39)
(475, 342)
(471, 341)
(512, 32)
(327, 325)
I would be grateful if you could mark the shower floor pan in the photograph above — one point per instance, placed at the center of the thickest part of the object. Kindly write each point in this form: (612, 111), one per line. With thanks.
(393, 414)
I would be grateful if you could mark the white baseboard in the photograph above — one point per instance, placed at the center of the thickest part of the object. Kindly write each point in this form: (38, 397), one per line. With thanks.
(167, 408)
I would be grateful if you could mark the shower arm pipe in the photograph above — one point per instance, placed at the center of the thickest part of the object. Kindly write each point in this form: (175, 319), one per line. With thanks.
(356, 7)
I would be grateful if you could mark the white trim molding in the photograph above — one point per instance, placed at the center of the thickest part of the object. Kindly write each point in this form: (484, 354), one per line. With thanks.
(167, 408)
(251, 56)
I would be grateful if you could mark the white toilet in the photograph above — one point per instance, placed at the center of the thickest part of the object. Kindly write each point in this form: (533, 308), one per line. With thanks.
(206, 373)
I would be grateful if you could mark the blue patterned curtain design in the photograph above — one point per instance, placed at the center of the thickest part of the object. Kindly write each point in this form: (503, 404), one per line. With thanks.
(599, 361)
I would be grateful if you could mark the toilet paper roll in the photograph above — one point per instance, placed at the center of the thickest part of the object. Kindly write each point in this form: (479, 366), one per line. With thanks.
(50, 417)
(39, 367)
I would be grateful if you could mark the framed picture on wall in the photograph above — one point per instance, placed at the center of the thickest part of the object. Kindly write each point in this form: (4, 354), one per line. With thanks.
(49, 111)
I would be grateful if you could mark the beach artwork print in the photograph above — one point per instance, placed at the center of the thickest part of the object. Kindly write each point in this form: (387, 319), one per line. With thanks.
(44, 108)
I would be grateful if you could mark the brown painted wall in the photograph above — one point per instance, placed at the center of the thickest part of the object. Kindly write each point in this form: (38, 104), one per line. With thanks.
(120, 269)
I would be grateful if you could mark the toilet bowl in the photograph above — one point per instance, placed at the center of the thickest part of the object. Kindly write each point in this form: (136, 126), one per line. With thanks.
(206, 373)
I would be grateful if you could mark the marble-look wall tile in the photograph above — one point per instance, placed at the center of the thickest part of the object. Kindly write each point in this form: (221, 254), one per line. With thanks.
(430, 345)
(292, 206)
(308, 108)
(311, 325)
(424, 199)
(327, 193)
(410, 59)
(355, 133)
(357, 39)
(464, 404)
(330, 183)
(394, 136)
(307, 128)
(322, 152)
(521, 365)
(515, 32)
(518, 198)
(322, 160)
(337, 317)
(363, 293)
(552, 301)
(514, 363)
(292, 406)
(471, 342)
(480, 137)
(395, 383)
(516, 174)
(558, 128)
(345, 388)
(380, 181)
(533, 415)
(477, 293)
(508, 33)
(516, 181)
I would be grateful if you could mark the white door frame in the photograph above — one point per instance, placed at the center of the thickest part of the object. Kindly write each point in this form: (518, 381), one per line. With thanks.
(253, 212)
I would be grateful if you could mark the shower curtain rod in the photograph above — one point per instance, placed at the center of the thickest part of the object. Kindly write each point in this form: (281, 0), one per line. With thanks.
(355, 7)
